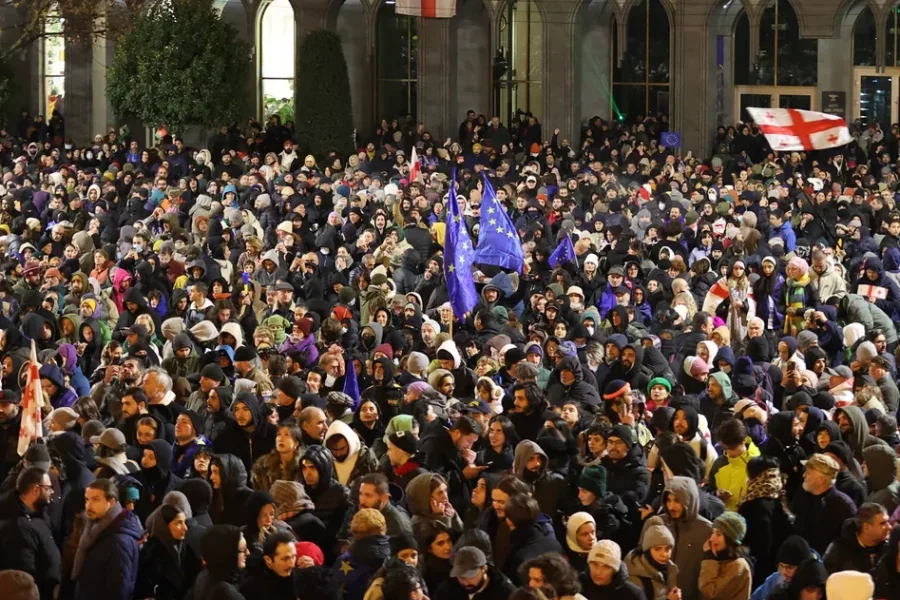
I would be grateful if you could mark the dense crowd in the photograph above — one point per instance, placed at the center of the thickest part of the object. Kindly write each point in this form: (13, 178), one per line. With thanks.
(254, 385)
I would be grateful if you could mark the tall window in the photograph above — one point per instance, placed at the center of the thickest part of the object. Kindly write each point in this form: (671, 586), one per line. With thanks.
(54, 62)
(784, 58)
(864, 34)
(892, 38)
(522, 41)
(397, 60)
(641, 82)
(277, 59)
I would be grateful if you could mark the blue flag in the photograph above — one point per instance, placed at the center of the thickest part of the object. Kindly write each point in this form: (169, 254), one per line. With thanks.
(564, 253)
(498, 241)
(459, 258)
(351, 386)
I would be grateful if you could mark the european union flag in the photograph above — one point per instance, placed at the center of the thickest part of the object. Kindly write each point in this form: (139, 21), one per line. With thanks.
(459, 258)
(351, 386)
(498, 241)
(564, 253)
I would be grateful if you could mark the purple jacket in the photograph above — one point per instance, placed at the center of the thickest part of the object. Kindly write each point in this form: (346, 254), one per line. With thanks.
(306, 347)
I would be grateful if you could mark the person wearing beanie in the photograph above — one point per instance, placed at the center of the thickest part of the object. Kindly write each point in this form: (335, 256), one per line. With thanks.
(659, 392)
(650, 565)
(792, 553)
(369, 548)
(416, 365)
(183, 362)
(189, 438)
(62, 419)
(581, 535)
(863, 541)
(819, 508)
(850, 585)
(626, 466)
(724, 572)
(607, 576)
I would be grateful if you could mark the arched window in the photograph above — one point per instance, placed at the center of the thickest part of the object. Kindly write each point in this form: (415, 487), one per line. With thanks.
(397, 60)
(641, 81)
(53, 63)
(864, 34)
(522, 41)
(784, 58)
(891, 38)
(277, 52)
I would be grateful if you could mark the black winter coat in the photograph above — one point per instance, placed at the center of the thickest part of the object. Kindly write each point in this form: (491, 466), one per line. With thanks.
(619, 589)
(846, 553)
(819, 519)
(526, 543)
(111, 565)
(26, 544)
(767, 528)
(165, 573)
(499, 587)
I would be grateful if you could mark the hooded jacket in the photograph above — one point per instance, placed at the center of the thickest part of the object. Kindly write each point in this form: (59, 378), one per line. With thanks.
(158, 480)
(690, 531)
(220, 553)
(361, 460)
(248, 446)
(858, 436)
(717, 412)
(331, 498)
(418, 499)
(229, 501)
(578, 390)
(386, 393)
(550, 488)
(881, 464)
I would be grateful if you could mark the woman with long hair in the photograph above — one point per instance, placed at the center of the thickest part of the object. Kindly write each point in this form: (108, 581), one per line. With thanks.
(725, 573)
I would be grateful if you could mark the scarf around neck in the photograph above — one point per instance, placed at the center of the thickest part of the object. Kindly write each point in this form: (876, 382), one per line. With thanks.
(92, 531)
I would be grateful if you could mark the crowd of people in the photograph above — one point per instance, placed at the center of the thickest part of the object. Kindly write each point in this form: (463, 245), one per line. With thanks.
(254, 385)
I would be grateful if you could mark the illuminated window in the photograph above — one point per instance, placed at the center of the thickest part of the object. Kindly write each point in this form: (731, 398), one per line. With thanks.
(54, 62)
(522, 31)
(277, 59)
(641, 81)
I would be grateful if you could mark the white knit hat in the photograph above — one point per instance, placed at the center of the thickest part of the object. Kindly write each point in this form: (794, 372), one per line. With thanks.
(606, 552)
(850, 585)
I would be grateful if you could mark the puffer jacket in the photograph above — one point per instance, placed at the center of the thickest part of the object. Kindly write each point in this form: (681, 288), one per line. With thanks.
(730, 474)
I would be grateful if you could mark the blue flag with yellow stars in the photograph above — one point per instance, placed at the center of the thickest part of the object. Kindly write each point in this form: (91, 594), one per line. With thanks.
(498, 241)
(459, 258)
(564, 253)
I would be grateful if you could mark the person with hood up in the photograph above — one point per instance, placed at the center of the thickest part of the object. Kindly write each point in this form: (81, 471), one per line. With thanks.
(724, 573)
(330, 498)
(464, 378)
(248, 436)
(427, 498)
(354, 569)
(650, 565)
(572, 386)
(155, 476)
(225, 556)
(352, 458)
(532, 466)
(167, 564)
(106, 561)
(581, 535)
(54, 384)
(607, 576)
(874, 275)
(199, 494)
(880, 468)
(67, 359)
(717, 403)
(681, 514)
(855, 430)
(228, 479)
(384, 391)
(259, 524)
(685, 423)
(862, 543)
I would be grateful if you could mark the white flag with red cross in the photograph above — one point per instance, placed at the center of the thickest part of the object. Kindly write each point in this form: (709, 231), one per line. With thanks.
(437, 9)
(414, 167)
(791, 129)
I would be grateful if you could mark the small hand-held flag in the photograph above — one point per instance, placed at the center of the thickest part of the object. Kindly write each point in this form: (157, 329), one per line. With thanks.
(790, 129)
(351, 385)
(498, 240)
(564, 253)
(459, 257)
(31, 427)
(414, 167)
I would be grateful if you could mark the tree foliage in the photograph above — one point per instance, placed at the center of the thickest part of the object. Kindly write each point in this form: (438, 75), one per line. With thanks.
(179, 65)
(324, 116)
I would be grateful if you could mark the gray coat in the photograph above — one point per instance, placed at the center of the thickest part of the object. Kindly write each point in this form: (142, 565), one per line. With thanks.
(690, 531)
(859, 310)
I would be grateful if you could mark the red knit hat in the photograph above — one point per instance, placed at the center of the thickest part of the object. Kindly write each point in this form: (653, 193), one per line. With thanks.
(311, 550)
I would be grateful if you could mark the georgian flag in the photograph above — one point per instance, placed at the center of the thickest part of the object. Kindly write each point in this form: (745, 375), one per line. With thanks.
(31, 427)
(414, 167)
(439, 9)
(790, 129)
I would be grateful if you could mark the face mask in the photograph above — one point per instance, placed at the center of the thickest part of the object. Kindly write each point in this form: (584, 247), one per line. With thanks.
(326, 251)
(343, 330)
(368, 341)
(590, 330)
(69, 147)
(138, 248)
(329, 381)
(200, 161)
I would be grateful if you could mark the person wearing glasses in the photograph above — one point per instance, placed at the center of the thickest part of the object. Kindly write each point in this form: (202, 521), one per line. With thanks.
(26, 542)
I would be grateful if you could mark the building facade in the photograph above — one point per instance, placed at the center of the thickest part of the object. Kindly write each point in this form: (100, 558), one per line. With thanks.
(702, 62)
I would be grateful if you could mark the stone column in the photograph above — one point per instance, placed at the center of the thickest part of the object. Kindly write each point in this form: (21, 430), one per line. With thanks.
(692, 88)
(558, 81)
(434, 76)
(79, 94)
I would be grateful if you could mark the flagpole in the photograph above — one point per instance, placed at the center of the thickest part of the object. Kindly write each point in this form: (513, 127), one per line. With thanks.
(575, 256)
